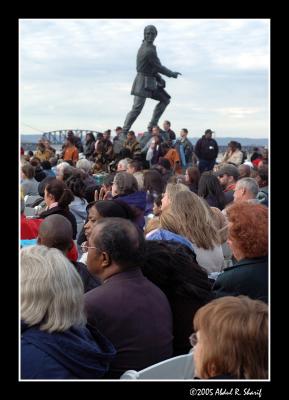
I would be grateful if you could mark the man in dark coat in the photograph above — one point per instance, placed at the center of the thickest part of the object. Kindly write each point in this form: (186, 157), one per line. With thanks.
(148, 82)
(127, 308)
(207, 151)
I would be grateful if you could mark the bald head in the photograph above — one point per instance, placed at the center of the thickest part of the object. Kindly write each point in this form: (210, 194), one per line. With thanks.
(56, 231)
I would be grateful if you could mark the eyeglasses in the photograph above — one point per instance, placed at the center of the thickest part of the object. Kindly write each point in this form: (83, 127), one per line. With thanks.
(85, 248)
(193, 339)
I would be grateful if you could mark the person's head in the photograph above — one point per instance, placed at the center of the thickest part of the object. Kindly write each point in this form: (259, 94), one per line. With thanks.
(157, 208)
(188, 216)
(115, 245)
(172, 266)
(35, 162)
(30, 153)
(233, 145)
(131, 135)
(27, 171)
(228, 175)
(84, 165)
(41, 147)
(184, 133)
(53, 161)
(262, 176)
(265, 155)
(56, 231)
(153, 181)
(57, 191)
(106, 209)
(69, 141)
(171, 190)
(76, 184)
(118, 130)
(134, 166)
(164, 164)
(248, 230)
(209, 185)
(246, 189)
(123, 184)
(106, 134)
(232, 338)
(70, 134)
(51, 290)
(123, 164)
(60, 168)
(89, 137)
(244, 171)
(208, 134)
(166, 125)
(156, 131)
(150, 33)
(46, 165)
(192, 175)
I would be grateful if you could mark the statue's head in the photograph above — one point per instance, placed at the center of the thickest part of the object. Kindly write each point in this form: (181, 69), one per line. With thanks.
(150, 33)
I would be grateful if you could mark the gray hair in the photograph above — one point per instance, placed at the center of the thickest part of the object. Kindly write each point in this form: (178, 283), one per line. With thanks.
(51, 290)
(249, 184)
(126, 183)
(84, 164)
(125, 162)
(61, 167)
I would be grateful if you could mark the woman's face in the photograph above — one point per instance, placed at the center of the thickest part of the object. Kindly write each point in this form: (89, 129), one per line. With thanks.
(114, 191)
(165, 201)
(93, 218)
(48, 198)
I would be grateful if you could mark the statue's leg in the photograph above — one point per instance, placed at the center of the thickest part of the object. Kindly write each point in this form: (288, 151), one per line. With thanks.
(138, 104)
(159, 108)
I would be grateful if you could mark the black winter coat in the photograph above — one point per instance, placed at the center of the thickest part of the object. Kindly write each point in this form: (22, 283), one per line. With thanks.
(249, 277)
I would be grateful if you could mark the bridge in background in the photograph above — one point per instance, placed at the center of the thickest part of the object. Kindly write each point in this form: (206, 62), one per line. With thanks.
(58, 137)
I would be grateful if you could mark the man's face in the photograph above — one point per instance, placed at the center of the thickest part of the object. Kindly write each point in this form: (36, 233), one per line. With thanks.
(155, 132)
(130, 169)
(208, 136)
(149, 35)
(238, 194)
(166, 126)
(94, 258)
(183, 134)
(224, 180)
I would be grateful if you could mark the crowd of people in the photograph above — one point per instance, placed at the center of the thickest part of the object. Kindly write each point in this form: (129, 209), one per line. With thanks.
(137, 251)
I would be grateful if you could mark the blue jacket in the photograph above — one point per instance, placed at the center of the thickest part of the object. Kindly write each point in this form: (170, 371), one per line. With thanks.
(163, 234)
(78, 353)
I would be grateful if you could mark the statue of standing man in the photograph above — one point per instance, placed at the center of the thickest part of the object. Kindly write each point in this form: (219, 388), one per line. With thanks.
(148, 81)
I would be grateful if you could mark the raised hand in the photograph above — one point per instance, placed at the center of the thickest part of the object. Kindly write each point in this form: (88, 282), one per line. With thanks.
(176, 74)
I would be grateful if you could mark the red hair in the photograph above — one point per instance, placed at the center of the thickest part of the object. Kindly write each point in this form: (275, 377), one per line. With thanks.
(249, 228)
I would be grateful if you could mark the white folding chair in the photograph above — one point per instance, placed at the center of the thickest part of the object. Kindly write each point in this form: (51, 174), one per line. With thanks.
(180, 367)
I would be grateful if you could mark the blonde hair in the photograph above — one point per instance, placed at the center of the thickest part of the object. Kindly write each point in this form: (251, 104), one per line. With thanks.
(188, 216)
(51, 290)
(220, 223)
(151, 225)
(234, 335)
(173, 188)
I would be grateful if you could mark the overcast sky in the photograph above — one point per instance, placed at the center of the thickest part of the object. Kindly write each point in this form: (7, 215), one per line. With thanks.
(78, 73)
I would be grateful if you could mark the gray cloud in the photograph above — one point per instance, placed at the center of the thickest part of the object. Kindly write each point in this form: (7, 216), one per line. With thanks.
(78, 74)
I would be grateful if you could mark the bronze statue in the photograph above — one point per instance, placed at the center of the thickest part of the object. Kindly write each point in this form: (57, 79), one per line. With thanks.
(148, 81)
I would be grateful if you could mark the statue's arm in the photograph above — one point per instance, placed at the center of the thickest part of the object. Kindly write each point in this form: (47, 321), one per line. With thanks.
(158, 67)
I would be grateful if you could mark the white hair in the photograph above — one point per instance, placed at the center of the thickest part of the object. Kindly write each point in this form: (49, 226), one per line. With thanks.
(249, 184)
(84, 164)
(61, 167)
(124, 162)
(52, 292)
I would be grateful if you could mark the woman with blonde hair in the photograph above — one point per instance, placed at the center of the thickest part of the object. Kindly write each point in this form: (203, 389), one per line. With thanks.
(55, 342)
(188, 216)
(171, 190)
(231, 339)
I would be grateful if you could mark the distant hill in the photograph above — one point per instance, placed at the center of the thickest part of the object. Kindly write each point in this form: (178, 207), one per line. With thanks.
(222, 141)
